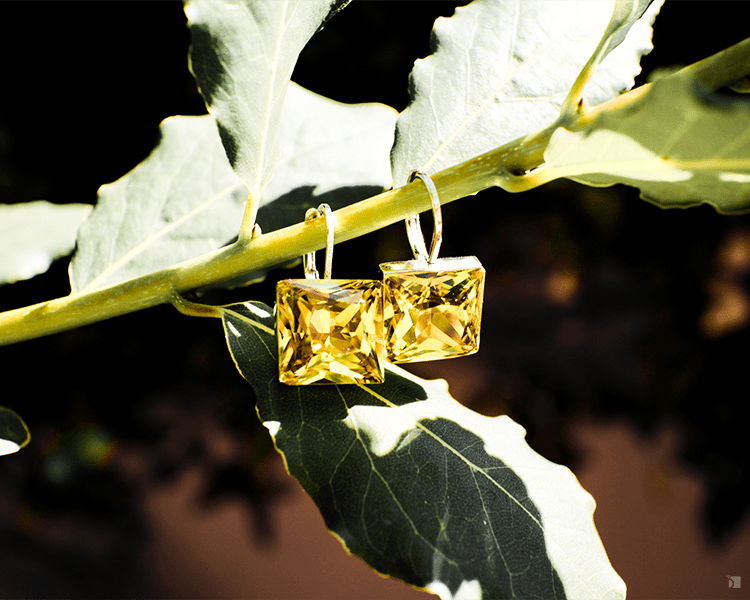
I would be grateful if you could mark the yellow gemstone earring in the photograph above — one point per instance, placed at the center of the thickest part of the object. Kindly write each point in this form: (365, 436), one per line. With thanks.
(432, 306)
(329, 330)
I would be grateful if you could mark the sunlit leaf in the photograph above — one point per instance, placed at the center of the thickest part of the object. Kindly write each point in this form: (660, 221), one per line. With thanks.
(327, 144)
(14, 434)
(182, 201)
(680, 144)
(502, 70)
(626, 14)
(33, 234)
(185, 200)
(424, 489)
(242, 56)
(330, 152)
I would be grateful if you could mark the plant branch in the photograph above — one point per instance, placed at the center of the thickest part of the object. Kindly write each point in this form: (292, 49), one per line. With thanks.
(572, 103)
(262, 251)
(248, 218)
(513, 167)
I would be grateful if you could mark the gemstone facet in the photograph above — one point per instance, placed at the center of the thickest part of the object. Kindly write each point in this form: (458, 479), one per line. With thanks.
(330, 331)
(432, 310)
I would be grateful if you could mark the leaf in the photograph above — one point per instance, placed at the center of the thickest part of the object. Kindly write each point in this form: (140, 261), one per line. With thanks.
(424, 489)
(182, 201)
(330, 152)
(679, 143)
(242, 56)
(327, 144)
(626, 14)
(33, 234)
(14, 434)
(502, 70)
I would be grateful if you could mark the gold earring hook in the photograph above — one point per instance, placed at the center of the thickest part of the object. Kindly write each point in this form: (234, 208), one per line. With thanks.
(414, 229)
(311, 271)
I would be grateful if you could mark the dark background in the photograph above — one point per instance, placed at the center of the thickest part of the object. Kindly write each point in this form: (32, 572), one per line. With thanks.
(600, 309)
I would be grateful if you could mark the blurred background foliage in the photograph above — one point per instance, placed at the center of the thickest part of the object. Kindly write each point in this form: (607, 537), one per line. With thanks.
(597, 302)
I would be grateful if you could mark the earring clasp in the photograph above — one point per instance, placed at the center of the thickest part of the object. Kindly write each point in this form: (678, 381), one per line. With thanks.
(311, 271)
(414, 229)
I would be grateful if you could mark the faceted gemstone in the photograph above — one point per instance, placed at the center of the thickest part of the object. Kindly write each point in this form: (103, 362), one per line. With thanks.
(432, 311)
(330, 331)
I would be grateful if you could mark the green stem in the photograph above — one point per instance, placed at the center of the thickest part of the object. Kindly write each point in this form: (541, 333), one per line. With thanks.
(514, 167)
(248, 219)
(248, 255)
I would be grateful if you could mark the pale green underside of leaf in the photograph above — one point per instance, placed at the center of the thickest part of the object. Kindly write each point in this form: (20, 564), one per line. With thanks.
(326, 145)
(330, 152)
(424, 489)
(182, 201)
(242, 56)
(33, 234)
(680, 145)
(14, 434)
(185, 200)
(501, 71)
(627, 12)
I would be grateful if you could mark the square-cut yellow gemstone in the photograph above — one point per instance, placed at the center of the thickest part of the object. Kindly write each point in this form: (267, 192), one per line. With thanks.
(330, 331)
(432, 310)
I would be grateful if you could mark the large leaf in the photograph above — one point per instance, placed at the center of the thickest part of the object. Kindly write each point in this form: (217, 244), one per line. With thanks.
(626, 14)
(502, 70)
(424, 489)
(14, 434)
(680, 144)
(33, 234)
(327, 144)
(330, 151)
(242, 56)
(182, 201)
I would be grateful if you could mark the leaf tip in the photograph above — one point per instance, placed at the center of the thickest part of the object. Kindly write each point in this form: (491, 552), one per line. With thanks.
(8, 447)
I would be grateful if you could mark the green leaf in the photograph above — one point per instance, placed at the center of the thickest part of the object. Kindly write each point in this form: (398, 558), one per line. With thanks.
(502, 70)
(182, 201)
(679, 143)
(626, 14)
(14, 434)
(424, 489)
(330, 152)
(327, 144)
(242, 56)
(33, 234)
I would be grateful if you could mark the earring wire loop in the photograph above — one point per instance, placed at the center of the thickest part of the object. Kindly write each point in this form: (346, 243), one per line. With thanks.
(311, 271)
(330, 233)
(414, 229)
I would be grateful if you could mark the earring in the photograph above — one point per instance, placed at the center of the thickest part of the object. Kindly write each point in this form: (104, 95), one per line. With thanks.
(329, 330)
(432, 306)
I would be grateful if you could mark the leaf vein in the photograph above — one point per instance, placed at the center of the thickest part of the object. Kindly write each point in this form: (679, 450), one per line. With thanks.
(456, 452)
